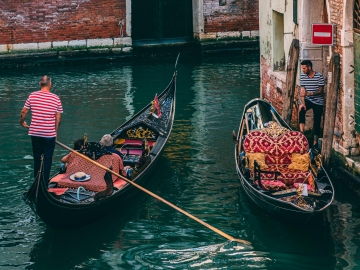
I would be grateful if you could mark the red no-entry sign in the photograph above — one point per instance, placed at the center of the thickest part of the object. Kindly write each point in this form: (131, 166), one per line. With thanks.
(322, 34)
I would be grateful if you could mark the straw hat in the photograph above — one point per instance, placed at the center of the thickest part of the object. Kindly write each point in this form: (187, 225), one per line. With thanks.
(80, 176)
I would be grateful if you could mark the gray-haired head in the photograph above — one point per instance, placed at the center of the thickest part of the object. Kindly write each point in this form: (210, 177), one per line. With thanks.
(45, 81)
(107, 140)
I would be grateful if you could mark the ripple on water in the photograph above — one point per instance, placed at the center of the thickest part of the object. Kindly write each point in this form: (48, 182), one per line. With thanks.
(179, 256)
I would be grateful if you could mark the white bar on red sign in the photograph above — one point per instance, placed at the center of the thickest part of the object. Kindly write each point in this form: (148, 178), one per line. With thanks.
(322, 34)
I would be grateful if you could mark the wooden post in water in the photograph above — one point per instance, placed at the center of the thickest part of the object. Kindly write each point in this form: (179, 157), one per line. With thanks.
(330, 111)
(291, 71)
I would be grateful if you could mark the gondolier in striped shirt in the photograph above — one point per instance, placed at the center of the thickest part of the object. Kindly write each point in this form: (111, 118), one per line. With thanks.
(46, 110)
(311, 97)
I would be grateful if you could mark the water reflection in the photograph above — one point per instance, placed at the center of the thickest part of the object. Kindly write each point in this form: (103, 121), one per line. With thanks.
(197, 173)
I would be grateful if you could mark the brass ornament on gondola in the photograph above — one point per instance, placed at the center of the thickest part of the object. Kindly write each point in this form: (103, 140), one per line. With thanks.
(140, 133)
(316, 163)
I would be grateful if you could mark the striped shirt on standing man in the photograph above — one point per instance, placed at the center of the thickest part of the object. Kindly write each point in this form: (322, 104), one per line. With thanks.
(311, 85)
(44, 106)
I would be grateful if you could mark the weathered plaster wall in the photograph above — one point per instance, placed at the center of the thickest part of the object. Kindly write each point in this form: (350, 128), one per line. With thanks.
(273, 82)
(338, 12)
(336, 17)
(341, 14)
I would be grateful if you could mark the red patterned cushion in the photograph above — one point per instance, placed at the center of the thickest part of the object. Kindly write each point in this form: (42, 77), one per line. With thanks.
(277, 150)
(272, 185)
(288, 176)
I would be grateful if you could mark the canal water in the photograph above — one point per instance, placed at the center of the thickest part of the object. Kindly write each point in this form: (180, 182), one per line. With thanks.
(196, 172)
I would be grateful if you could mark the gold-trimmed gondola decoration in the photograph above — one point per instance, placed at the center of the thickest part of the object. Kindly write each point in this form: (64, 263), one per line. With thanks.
(315, 164)
(141, 133)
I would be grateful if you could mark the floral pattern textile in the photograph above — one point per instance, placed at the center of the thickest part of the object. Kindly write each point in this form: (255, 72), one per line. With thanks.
(277, 150)
(278, 154)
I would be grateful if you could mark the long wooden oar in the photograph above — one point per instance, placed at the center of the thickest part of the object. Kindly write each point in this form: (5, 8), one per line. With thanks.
(155, 196)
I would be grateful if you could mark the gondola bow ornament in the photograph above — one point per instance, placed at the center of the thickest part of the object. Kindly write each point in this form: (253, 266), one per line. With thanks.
(157, 106)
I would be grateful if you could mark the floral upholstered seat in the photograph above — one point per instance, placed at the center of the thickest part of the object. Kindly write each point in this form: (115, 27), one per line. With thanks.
(278, 152)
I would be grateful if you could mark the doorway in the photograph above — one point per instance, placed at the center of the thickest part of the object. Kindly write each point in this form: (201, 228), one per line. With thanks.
(161, 21)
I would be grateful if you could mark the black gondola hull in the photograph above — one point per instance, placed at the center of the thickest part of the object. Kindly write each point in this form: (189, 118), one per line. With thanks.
(59, 215)
(276, 208)
(63, 215)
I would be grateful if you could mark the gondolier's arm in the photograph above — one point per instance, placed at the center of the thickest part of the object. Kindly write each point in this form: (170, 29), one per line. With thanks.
(23, 114)
(57, 121)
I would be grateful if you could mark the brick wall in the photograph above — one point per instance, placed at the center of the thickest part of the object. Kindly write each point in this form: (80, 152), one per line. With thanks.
(235, 15)
(29, 21)
(271, 87)
(336, 7)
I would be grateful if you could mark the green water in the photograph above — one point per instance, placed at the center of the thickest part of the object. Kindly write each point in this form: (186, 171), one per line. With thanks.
(196, 172)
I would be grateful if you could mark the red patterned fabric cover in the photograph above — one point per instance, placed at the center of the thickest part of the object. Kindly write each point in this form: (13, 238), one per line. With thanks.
(278, 151)
(272, 185)
(96, 182)
(288, 176)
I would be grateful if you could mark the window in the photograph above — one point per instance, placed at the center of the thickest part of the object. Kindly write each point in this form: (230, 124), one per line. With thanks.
(278, 42)
(295, 11)
(357, 16)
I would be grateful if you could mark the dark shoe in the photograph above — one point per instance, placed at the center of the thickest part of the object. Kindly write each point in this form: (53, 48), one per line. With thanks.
(315, 150)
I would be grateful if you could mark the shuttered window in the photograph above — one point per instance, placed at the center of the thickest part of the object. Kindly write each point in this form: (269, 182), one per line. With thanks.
(295, 11)
(357, 16)
(357, 64)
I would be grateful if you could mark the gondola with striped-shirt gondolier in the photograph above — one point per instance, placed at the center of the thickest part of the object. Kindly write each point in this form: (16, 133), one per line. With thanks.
(46, 110)
(311, 97)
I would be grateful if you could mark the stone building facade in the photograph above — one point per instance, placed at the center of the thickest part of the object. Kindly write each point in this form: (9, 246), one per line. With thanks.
(37, 26)
(283, 21)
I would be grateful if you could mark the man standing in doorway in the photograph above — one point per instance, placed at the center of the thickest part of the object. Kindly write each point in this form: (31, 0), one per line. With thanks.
(311, 97)
(46, 110)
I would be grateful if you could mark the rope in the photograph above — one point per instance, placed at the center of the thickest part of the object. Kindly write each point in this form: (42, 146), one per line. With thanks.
(78, 191)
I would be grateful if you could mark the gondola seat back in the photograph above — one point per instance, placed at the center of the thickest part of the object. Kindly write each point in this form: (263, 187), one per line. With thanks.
(130, 140)
(96, 182)
(278, 153)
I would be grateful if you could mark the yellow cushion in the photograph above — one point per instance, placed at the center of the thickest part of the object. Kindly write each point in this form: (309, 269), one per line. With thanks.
(300, 162)
(259, 157)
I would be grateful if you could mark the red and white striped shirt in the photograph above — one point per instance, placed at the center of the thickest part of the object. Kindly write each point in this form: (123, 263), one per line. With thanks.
(44, 106)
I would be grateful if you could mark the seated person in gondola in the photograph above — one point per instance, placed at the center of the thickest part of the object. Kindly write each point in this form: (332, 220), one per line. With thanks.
(78, 144)
(76, 163)
(107, 142)
(80, 147)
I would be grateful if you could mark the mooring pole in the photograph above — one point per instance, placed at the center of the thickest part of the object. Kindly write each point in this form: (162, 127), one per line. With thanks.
(330, 110)
(291, 71)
